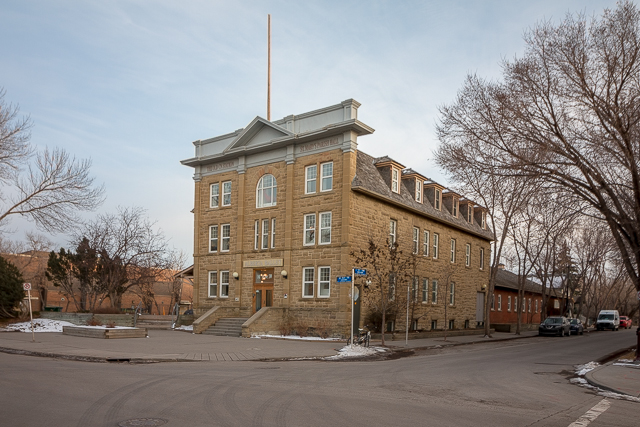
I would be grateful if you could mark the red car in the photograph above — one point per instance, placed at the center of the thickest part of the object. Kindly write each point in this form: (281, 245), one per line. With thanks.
(625, 322)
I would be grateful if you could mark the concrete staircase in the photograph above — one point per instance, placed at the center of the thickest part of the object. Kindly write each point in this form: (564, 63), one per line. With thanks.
(228, 327)
(154, 321)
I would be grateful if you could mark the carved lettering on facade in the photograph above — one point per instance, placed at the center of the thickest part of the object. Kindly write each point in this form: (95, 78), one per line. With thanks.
(274, 262)
(219, 166)
(320, 144)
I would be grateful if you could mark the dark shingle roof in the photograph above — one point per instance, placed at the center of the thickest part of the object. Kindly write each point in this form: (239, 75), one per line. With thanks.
(509, 280)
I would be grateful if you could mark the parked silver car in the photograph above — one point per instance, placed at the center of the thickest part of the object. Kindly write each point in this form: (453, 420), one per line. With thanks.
(555, 325)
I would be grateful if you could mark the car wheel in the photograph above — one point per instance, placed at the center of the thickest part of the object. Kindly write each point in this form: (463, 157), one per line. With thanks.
(561, 332)
(581, 332)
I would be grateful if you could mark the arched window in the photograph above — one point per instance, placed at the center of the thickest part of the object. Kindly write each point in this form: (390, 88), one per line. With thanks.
(266, 192)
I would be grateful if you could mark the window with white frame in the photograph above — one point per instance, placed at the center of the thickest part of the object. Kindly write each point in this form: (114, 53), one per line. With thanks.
(215, 195)
(425, 243)
(453, 250)
(265, 234)
(493, 302)
(484, 220)
(266, 191)
(436, 239)
(393, 226)
(414, 288)
(469, 213)
(324, 282)
(434, 292)
(515, 304)
(536, 306)
(456, 207)
(419, 190)
(425, 290)
(481, 258)
(416, 237)
(224, 284)
(226, 193)
(310, 179)
(310, 229)
(452, 293)
(529, 305)
(437, 201)
(307, 282)
(256, 233)
(467, 260)
(524, 305)
(327, 176)
(273, 233)
(325, 228)
(213, 284)
(213, 238)
(395, 180)
(499, 302)
(392, 287)
(509, 303)
(226, 237)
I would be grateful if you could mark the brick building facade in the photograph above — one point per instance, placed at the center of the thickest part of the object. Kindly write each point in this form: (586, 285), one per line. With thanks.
(279, 207)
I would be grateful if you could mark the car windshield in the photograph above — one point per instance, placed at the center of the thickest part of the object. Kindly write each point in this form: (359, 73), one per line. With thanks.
(605, 317)
(553, 321)
(574, 321)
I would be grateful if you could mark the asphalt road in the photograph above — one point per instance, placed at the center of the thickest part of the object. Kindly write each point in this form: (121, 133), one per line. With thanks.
(515, 383)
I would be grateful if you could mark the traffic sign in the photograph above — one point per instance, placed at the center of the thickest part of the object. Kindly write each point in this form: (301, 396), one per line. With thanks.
(343, 279)
(26, 286)
(360, 271)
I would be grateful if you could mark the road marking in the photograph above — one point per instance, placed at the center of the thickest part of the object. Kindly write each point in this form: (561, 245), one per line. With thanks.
(591, 414)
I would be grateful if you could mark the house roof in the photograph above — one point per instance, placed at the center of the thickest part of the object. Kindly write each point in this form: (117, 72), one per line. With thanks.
(508, 280)
(368, 180)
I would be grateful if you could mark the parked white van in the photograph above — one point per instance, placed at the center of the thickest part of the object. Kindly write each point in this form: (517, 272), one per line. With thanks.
(608, 319)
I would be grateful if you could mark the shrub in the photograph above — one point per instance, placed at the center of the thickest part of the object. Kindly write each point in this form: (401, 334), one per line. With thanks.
(94, 322)
(106, 310)
(11, 292)
(302, 328)
(286, 325)
(111, 324)
(323, 328)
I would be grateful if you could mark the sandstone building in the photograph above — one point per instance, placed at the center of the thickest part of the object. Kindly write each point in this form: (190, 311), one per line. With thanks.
(279, 207)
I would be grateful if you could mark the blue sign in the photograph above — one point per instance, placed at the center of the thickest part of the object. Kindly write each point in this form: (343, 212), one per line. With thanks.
(360, 271)
(343, 279)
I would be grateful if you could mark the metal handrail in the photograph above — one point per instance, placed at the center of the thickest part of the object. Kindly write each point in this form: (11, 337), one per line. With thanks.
(137, 312)
(176, 311)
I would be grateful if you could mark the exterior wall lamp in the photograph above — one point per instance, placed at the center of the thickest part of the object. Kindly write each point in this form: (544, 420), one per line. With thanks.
(236, 275)
(284, 273)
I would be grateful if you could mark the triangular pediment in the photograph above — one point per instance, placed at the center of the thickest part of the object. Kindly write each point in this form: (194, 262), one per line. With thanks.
(257, 133)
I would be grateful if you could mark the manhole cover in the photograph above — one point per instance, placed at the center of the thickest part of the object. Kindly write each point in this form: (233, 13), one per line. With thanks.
(145, 422)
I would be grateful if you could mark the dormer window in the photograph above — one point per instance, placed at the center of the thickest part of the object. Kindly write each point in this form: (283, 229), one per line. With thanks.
(395, 180)
(419, 190)
(456, 208)
(437, 203)
(470, 214)
(484, 220)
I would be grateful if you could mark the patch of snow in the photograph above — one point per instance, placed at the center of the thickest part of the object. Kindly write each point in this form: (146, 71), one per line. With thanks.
(39, 325)
(102, 327)
(581, 370)
(184, 328)
(355, 350)
(629, 364)
(296, 337)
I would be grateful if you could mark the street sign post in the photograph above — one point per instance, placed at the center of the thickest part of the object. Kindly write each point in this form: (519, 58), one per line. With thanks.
(359, 272)
(27, 287)
(354, 272)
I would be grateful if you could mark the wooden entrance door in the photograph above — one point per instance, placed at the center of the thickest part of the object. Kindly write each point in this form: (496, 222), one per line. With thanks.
(262, 288)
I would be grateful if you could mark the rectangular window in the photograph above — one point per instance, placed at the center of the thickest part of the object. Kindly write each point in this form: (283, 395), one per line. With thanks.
(215, 195)
(425, 290)
(452, 324)
(213, 284)
(324, 282)
(226, 237)
(310, 229)
(392, 287)
(456, 207)
(395, 178)
(469, 213)
(325, 228)
(509, 303)
(327, 176)
(499, 302)
(536, 306)
(529, 305)
(416, 237)
(481, 258)
(453, 250)
(224, 284)
(434, 325)
(484, 220)
(493, 302)
(256, 233)
(273, 233)
(393, 225)
(452, 293)
(307, 282)
(414, 288)
(524, 305)
(437, 201)
(467, 260)
(434, 292)
(419, 190)
(425, 243)
(213, 238)
(265, 234)
(436, 238)
(226, 193)
(311, 174)
(515, 304)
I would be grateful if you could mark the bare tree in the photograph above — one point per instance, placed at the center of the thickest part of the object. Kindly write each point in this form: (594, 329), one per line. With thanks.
(49, 187)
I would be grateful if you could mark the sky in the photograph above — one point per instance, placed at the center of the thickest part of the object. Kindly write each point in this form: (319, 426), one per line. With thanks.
(130, 84)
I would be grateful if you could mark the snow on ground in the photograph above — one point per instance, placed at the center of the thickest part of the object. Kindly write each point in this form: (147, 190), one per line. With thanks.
(355, 350)
(581, 370)
(296, 337)
(184, 328)
(47, 325)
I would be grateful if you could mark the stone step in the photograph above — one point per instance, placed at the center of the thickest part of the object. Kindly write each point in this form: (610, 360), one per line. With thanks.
(229, 327)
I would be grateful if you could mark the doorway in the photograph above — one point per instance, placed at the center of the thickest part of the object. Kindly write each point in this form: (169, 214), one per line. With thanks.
(262, 288)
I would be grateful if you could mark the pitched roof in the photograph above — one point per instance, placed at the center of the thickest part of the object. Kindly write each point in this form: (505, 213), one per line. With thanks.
(508, 280)
(369, 180)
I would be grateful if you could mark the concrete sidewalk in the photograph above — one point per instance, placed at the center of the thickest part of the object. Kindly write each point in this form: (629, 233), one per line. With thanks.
(179, 346)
